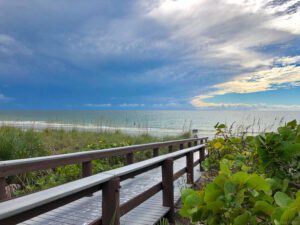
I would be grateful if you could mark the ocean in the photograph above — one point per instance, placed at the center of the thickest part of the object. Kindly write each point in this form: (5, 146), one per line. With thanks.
(152, 122)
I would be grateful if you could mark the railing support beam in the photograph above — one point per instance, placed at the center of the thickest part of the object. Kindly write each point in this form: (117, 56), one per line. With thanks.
(190, 167)
(111, 202)
(86, 169)
(181, 146)
(170, 148)
(155, 152)
(202, 157)
(130, 158)
(168, 188)
(3, 195)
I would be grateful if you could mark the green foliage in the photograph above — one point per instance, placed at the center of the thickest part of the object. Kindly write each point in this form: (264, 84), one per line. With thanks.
(254, 179)
(279, 153)
(238, 198)
(288, 210)
(16, 143)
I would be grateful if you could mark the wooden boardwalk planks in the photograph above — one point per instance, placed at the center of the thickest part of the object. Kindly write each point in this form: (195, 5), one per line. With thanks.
(88, 208)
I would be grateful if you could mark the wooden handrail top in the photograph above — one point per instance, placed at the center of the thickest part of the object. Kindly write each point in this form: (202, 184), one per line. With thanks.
(14, 167)
(126, 170)
(31, 201)
(23, 204)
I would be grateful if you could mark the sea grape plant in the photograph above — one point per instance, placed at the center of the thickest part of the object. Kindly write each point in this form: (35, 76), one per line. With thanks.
(237, 199)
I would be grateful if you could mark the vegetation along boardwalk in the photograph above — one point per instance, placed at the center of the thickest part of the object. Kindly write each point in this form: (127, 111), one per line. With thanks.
(139, 193)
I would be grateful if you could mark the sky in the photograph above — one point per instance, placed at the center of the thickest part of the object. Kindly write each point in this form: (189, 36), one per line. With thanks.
(141, 54)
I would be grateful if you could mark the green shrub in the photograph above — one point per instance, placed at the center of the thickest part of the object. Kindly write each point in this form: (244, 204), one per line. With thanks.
(238, 199)
(255, 179)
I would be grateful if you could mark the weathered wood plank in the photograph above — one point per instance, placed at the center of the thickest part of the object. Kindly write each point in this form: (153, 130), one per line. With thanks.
(148, 212)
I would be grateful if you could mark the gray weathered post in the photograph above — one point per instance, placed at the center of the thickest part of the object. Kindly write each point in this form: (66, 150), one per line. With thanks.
(168, 188)
(111, 202)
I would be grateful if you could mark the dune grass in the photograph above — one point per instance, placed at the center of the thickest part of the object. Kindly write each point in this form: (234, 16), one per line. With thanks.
(17, 144)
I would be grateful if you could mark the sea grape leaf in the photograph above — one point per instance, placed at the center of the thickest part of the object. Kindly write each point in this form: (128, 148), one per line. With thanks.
(276, 215)
(282, 199)
(225, 166)
(193, 200)
(218, 145)
(240, 178)
(212, 192)
(185, 193)
(229, 190)
(288, 215)
(263, 207)
(258, 183)
(242, 219)
(240, 196)
(220, 180)
(215, 206)
(275, 183)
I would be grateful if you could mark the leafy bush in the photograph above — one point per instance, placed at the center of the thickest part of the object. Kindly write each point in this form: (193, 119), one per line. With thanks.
(255, 180)
(279, 153)
(238, 199)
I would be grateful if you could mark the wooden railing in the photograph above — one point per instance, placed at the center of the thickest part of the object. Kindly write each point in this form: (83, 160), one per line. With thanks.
(23, 208)
(15, 167)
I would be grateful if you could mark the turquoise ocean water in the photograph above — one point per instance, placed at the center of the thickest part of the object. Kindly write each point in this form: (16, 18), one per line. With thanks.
(153, 122)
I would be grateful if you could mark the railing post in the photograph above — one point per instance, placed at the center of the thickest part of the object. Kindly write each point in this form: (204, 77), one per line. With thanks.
(3, 195)
(86, 169)
(202, 157)
(130, 158)
(170, 148)
(111, 202)
(168, 188)
(201, 141)
(155, 152)
(181, 146)
(195, 143)
(190, 144)
(190, 167)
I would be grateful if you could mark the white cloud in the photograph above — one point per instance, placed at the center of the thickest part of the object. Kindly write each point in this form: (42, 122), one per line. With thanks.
(285, 75)
(98, 105)
(9, 46)
(227, 31)
(232, 32)
(4, 99)
(131, 105)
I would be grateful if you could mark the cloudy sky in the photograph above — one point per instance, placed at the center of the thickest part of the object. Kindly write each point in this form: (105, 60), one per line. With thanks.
(141, 54)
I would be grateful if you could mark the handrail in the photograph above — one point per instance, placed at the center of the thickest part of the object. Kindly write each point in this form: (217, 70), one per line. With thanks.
(14, 167)
(23, 208)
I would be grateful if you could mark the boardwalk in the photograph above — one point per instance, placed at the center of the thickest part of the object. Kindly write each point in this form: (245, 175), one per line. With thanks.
(87, 209)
